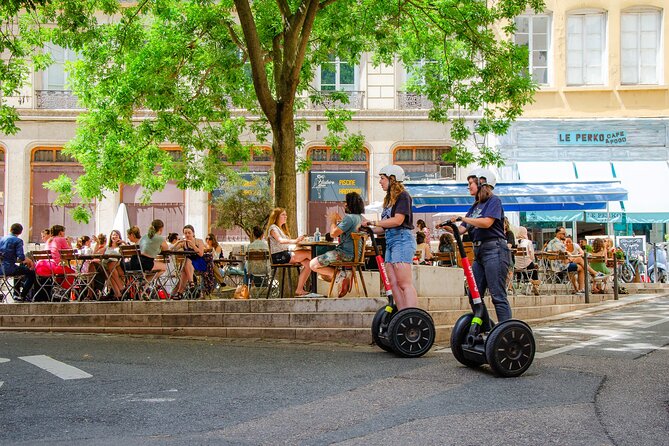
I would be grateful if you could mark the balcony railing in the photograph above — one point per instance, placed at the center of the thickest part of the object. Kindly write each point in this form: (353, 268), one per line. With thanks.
(56, 100)
(355, 101)
(412, 101)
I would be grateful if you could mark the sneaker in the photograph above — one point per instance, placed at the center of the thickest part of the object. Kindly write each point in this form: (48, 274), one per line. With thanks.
(579, 292)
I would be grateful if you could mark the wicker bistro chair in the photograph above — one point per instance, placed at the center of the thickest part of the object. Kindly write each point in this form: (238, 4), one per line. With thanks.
(521, 276)
(356, 265)
(285, 268)
(138, 283)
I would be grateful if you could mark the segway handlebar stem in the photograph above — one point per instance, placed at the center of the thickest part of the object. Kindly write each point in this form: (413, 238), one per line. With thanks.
(382, 266)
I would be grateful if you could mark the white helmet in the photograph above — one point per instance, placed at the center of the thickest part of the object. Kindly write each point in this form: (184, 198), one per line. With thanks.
(484, 176)
(394, 170)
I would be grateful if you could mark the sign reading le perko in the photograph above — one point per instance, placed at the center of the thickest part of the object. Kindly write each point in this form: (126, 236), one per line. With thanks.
(596, 138)
(333, 186)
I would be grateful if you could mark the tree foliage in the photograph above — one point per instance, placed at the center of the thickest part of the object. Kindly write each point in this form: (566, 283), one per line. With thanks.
(244, 205)
(180, 72)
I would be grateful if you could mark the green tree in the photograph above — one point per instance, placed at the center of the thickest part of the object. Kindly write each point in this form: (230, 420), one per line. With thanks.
(245, 205)
(180, 71)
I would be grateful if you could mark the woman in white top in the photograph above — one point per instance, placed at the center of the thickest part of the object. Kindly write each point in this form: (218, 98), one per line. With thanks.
(278, 237)
(526, 262)
(113, 272)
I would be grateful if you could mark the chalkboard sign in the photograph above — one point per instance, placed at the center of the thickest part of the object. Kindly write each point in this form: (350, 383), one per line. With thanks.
(636, 246)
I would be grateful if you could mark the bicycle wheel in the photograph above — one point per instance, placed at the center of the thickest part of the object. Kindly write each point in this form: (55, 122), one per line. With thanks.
(626, 273)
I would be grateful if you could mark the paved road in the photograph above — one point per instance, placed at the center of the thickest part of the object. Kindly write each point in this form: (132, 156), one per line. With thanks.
(599, 380)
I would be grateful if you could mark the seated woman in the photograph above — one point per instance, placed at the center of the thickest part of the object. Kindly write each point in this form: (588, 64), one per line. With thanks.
(599, 249)
(133, 235)
(114, 273)
(150, 246)
(194, 260)
(55, 244)
(447, 245)
(423, 249)
(526, 262)
(342, 228)
(278, 237)
(212, 244)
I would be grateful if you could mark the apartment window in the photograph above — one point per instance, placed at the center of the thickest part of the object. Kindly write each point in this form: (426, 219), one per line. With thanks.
(586, 34)
(533, 32)
(337, 75)
(55, 76)
(640, 47)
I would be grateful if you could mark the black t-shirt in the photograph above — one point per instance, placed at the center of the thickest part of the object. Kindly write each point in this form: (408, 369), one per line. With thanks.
(491, 208)
(402, 206)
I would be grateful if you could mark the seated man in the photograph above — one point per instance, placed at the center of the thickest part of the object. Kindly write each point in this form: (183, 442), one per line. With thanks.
(574, 263)
(11, 248)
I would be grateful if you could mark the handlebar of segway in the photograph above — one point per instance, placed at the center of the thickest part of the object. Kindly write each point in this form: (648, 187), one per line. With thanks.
(469, 274)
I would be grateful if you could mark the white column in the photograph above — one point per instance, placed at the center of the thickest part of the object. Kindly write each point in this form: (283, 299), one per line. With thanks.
(302, 198)
(197, 211)
(105, 213)
(17, 185)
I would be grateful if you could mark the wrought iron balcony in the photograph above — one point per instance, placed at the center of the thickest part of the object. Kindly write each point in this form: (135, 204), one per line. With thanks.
(56, 100)
(355, 100)
(412, 101)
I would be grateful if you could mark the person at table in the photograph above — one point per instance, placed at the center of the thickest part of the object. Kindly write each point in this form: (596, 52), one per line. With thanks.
(423, 247)
(55, 244)
(279, 239)
(193, 261)
(422, 227)
(100, 244)
(15, 263)
(598, 265)
(397, 224)
(342, 228)
(150, 246)
(447, 245)
(172, 239)
(214, 246)
(485, 224)
(572, 264)
(526, 262)
(134, 235)
(114, 273)
(45, 235)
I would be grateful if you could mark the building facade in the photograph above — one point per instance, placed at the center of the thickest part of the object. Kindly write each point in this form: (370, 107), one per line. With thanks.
(603, 98)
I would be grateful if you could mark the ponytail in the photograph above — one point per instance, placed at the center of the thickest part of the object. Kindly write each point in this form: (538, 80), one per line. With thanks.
(156, 225)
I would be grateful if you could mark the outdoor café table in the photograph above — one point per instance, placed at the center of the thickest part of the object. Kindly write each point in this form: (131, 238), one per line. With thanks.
(225, 265)
(314, 253)
(80, 259)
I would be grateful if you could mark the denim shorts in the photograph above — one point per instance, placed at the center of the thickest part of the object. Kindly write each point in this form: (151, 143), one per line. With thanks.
(400, 246)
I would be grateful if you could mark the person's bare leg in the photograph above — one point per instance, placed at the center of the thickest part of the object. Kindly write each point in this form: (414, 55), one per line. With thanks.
(326, 271)
(302, 257)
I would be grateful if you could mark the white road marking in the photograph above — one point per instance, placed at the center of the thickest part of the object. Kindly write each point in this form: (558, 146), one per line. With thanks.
(152, 400)
(60, 369)
(1, 383)
(4, 360)
(595, 341)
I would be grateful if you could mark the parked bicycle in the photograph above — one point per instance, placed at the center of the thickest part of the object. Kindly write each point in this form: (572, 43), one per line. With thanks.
(630, 266)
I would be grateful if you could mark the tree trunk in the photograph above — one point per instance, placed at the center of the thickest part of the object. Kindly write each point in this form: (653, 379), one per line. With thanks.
(285, 173)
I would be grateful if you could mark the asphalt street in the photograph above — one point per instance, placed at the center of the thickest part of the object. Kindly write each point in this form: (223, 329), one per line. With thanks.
(597, 380)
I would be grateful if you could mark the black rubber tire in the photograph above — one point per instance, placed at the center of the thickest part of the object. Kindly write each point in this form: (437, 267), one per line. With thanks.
(510, 348)
(376, 324)
(458, 334)
(411, 332)
(626, 273)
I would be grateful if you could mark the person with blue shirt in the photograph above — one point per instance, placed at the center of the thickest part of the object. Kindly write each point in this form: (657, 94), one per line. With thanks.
(15, 263)
(342, 228)
(485, 224)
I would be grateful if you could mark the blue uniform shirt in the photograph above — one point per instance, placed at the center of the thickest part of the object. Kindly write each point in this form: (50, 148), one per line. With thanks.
(493, 209)
(12, 250)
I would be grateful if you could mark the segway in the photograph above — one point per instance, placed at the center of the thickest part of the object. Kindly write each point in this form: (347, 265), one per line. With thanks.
(409, 332)
(508, 347)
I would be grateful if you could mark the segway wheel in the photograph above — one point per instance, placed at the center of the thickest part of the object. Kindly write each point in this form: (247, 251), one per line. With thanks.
(376, 328)
(510, 348)
(411, 332)
(458, 336)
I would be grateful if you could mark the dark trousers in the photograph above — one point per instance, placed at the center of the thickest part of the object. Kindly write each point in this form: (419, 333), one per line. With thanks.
(23, 287)
(491, 268)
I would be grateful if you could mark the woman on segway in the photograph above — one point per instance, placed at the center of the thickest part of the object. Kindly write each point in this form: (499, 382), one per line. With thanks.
(397, 222)
(485, 224)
